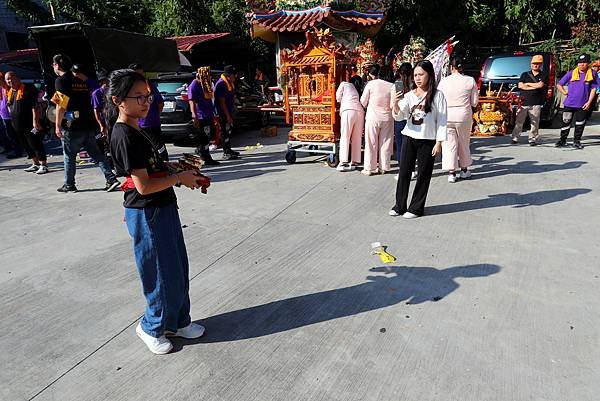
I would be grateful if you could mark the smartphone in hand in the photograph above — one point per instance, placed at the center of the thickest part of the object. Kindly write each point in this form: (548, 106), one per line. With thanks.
(399, 86)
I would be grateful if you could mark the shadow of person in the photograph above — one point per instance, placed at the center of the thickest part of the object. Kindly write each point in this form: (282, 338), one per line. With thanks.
(485, 170)
(515, 200)
(397, 284)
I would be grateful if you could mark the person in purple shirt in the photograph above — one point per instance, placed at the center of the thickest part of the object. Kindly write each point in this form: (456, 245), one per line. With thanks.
(580, 94)
(98, 96)
(151, 123)
(8, 136)
(225, 104)
(200, 95)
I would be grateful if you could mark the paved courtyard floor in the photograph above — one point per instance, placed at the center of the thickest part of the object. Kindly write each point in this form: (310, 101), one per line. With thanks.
(495, 293)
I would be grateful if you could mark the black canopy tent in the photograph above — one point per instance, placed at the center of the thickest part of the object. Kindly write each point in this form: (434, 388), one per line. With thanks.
(102, 48)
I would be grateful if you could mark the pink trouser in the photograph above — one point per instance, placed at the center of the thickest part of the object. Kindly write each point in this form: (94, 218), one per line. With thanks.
(455, 150)
(379, 139)
(352, 124)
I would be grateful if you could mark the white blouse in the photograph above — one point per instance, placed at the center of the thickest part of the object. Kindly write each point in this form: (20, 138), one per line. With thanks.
(434, 122)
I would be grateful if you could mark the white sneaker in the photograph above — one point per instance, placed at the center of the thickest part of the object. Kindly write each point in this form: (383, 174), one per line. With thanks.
(42, 170)
(159, 346)
(414, 175)
(409, 215)
(212, 147)
(32, 168)
(344, 167)
(191, 331)
(465, 174)
(392, 212)
(366, 172)
(451, 178)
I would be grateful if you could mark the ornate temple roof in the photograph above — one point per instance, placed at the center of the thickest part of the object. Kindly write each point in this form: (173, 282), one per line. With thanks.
(303, 20)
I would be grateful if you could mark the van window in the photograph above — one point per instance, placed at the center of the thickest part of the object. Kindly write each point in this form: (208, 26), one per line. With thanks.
(509, 67)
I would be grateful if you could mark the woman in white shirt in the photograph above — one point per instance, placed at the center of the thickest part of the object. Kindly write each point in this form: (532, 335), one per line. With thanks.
(352, 124)
(462, 95)
(424, 108)
(379, 125)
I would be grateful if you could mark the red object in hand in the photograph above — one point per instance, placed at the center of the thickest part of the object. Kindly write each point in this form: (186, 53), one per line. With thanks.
(204, 182)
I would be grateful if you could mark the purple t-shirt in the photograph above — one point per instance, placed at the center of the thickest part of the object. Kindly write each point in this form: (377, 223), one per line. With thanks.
(152, 120)
(204, 107)
(578, 91)
(222, 92)
(4, 113)
(98, 98)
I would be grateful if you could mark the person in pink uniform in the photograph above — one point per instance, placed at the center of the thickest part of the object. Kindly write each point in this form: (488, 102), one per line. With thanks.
(352, 124)
(461, 96)
(379, 124)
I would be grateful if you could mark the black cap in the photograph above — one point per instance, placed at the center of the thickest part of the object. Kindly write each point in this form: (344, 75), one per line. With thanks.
(77, 68)
(584, 58)
(135, 66)
(229, 70)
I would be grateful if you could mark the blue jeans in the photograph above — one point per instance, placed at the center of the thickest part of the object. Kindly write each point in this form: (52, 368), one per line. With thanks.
(72, 142)
(398, 127)
(162, 263)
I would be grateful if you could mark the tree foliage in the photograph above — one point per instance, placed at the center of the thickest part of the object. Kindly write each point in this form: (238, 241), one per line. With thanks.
(475, 22)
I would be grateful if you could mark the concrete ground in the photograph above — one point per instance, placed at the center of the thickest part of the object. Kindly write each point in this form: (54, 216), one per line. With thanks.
(494, 294)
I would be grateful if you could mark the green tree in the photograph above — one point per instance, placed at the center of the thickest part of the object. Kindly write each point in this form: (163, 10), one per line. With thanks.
(180, 17)
(31, 11)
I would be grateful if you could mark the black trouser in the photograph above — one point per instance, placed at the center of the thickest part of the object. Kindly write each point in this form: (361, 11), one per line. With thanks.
(226, 132)
(14, 142)
(418, 150)
(155, 135)
(567, 118)
(203, 136)
(33, 144)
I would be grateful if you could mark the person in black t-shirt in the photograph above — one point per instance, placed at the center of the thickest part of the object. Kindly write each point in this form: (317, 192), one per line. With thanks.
(533, 92)
(151, 214)
(75, 124)
(24, 116)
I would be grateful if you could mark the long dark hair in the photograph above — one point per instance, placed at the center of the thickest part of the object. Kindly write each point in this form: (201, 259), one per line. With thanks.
(120, 83)
(431, 89)
(404, 73)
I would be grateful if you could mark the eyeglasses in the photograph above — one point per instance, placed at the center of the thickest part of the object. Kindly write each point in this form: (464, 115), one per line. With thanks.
(141, 100)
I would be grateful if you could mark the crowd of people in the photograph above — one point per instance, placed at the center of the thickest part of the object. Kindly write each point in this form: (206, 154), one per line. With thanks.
(117, 121)
(80, 118)
(425, 118)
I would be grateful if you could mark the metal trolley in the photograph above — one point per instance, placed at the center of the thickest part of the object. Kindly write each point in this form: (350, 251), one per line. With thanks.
(330, 149)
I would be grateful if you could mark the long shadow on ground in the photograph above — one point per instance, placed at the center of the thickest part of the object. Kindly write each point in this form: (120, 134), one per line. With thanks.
(515, 200)
(398, 284)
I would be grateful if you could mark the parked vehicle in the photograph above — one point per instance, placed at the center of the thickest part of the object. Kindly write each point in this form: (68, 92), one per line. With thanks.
(506, 69)
(176, 117)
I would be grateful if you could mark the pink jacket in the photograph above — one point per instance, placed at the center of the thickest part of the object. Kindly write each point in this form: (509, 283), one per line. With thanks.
(347, 96)
(461, 95)
(377, 99)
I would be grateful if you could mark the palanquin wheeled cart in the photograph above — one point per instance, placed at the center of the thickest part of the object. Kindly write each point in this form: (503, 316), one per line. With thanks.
(312, 62)
(312, 73)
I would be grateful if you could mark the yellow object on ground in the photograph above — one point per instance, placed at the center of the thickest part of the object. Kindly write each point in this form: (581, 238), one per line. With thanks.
(380, 250)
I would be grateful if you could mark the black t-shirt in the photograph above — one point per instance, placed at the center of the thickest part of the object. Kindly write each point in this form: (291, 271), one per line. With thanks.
(21, 107)
(132, 150)
(79, 100)
(537, 96)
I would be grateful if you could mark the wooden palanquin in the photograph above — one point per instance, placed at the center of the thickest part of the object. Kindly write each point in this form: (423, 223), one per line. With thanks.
(312, 74)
